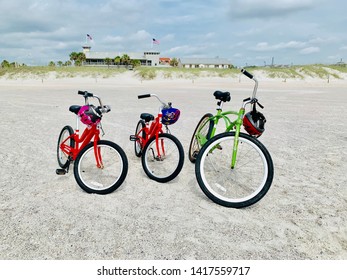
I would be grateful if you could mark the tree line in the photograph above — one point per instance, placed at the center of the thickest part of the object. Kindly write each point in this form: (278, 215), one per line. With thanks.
(78, 58)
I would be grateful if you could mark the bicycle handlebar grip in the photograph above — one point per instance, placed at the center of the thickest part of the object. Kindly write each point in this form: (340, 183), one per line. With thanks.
(143, 96)
(85, 93)
(249, 75)
(107, 108)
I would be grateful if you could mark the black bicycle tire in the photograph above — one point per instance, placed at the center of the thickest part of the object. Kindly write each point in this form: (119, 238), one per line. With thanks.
(207, 115)
(180, 161)
(138, 154)
(72, 144)
(250, 201)
(121, 177)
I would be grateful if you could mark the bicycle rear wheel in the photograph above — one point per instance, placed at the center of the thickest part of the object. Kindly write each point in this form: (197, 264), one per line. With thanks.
(138, 142)
(163, 162)
(242, 186)
(63, 158)
(201, 134)
(101, 180)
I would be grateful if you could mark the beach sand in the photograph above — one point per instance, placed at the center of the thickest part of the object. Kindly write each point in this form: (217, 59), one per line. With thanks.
(45, 216)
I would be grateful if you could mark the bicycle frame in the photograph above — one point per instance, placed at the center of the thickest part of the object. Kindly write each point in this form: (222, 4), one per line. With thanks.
(85, 138)
(230, 125)
(90, 133)
(150, 130)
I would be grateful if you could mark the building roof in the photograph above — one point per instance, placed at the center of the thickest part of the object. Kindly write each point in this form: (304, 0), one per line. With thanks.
(103, 55)
(205, 61)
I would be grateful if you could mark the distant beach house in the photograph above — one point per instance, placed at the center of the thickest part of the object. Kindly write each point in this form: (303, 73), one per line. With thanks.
(149, 58)
(164, 60)
(217, 62)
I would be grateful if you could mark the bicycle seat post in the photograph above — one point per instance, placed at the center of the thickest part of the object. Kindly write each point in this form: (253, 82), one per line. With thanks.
(220, 105)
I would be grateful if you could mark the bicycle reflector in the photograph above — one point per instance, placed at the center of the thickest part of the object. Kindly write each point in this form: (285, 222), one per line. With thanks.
(88, 115)
(254, 123)
(170, 116)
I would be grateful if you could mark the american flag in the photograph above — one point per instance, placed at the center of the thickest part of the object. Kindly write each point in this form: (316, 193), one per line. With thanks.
(89, 37)
(155, 41)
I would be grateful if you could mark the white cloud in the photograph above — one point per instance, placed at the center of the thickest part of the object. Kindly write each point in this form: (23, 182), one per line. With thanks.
(184, 28)
(310, 50)
(266, 9)
(264, 46)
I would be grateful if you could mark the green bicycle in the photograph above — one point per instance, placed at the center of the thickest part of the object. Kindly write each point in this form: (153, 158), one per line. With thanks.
(233, 169)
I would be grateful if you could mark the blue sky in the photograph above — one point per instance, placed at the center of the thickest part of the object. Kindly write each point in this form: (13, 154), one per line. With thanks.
(247, 32)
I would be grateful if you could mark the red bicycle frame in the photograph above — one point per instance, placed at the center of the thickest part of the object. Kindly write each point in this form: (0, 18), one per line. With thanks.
(86, 137)
(155, 128)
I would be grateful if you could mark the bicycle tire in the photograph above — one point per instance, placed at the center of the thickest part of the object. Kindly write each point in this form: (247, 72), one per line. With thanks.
(137, 143)
(239, 187)
(63, 159)
(194, 146)
(101, 180)
(166, 168)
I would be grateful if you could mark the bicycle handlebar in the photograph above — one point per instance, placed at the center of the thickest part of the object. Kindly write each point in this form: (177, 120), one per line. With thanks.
(102, 108)
(252, 99)
(85, 93)
(143, 96)
(165, 105)
(246, 73)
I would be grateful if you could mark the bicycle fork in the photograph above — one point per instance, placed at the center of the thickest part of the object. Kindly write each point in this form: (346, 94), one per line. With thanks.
(159, 145)
(97, 154)
(236, 140)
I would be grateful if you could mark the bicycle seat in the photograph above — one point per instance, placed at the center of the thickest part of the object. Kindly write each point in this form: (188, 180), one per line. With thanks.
(147, 117)
(222, 96)
(75, 109)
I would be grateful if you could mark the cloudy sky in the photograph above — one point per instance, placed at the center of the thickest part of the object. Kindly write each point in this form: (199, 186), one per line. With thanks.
(247, 32)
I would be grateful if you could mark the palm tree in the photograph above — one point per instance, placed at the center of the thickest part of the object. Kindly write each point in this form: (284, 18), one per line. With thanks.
(108, 61)
(73, 56)
(136, 62)
(78, 58)
(125, 59)
(5, 64)
(174, 62)
(117, 60)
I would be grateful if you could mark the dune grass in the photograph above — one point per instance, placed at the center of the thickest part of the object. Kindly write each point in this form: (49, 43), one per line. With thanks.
(150, 73)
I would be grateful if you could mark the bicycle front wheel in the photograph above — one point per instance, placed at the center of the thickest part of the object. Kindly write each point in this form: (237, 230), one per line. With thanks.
(246, 183)
(63, 158)
(162, 160)
(103, 179)
(201, 134)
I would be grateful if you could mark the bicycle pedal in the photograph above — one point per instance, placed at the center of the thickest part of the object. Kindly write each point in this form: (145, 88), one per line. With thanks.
(60, 171)
(133, 138)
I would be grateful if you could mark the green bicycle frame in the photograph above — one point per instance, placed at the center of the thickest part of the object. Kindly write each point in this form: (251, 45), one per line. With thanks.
(229, 126)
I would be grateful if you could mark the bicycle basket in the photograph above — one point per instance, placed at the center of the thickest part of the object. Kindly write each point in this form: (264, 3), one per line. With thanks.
(170, 116)
(88, 115)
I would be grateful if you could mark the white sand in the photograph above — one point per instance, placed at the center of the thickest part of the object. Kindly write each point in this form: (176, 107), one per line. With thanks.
(45, 216)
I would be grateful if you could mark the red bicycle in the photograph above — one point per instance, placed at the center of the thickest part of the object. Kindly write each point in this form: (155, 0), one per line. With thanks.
(161, 153)
(100, 166)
